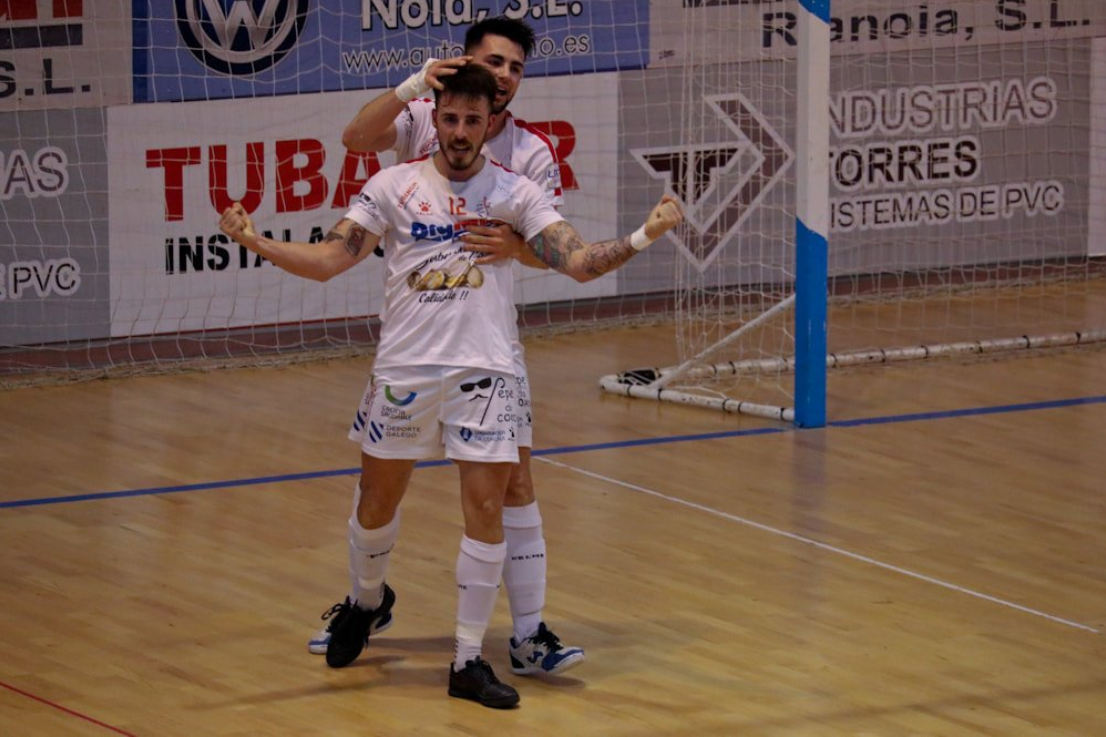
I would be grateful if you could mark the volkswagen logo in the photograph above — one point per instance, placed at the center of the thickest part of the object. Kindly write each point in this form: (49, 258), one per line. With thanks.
(240, 37)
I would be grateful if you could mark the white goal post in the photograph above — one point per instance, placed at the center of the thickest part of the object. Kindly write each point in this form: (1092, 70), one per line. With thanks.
(953, 155)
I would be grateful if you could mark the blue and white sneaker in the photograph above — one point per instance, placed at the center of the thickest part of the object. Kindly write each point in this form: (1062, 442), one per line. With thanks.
(543, 653)
(317, 645)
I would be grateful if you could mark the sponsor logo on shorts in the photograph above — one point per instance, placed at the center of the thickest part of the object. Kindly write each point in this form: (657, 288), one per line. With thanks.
(486, 436)
(399, 402)
(378, 431)
(401, 432)
(394, 413)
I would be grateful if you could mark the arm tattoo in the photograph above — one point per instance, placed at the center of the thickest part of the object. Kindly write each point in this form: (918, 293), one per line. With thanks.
(561, 240)
(607, 256)
(561, 243)
(355, 241)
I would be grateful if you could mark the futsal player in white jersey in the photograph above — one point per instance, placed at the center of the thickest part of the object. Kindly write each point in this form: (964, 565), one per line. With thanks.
(443, 371)
(401, 120)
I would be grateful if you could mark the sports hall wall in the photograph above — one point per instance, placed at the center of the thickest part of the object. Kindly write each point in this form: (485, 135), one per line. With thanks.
(125, 127)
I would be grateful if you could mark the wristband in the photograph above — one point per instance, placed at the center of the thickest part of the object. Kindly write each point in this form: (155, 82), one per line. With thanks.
(414, 85)
(639, 240)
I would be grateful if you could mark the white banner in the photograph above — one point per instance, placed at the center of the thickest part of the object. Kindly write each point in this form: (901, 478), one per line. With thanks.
(64, 54)
(1096, 208)
(173, 168)
(714, 31)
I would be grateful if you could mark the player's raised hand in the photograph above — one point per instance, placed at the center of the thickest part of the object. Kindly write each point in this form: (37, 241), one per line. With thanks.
(443, 68)
(237, 224)
(429, 77)
(665, 216)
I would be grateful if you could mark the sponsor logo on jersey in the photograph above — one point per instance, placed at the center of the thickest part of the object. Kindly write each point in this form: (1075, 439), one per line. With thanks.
(433, 232)
(370, 207)
(439, 233)
(407, 195)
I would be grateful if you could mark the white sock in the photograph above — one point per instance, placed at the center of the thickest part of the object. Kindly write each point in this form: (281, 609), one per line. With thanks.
(524, 569)
(369, 551)
(479, 567)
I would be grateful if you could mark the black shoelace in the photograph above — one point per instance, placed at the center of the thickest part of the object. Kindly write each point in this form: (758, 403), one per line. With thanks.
(547, 638)
(334, 610)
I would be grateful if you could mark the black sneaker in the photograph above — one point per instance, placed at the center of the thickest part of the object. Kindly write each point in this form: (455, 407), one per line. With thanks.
(318, 643)
(477, 682)
(349, 628)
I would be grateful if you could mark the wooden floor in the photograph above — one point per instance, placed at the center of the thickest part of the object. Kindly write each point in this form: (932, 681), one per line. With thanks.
(943, 574)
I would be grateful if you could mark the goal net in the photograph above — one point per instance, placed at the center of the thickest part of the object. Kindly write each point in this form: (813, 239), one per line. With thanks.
(128, 127)
(966, 157)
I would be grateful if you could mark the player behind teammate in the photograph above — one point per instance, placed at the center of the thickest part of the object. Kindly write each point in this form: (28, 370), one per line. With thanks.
(444, 356)
(401, 120)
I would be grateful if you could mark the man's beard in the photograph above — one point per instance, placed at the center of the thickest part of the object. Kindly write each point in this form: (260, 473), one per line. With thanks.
(498, 109)
(464, 161)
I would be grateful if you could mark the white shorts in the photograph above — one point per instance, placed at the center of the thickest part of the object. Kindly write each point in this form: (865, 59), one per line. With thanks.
(415, 412)
(525, 427)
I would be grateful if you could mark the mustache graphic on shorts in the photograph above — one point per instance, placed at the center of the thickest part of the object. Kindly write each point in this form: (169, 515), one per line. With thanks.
(485, 383)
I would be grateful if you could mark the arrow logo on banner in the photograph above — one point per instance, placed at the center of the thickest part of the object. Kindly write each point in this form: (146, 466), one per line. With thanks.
(716, 190)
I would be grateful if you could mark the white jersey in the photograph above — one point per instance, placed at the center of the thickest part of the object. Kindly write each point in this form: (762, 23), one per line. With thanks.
(439, 307)
(519, 146)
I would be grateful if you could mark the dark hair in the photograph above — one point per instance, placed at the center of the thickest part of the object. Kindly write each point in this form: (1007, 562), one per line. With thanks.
(471, 81)
(508, 28)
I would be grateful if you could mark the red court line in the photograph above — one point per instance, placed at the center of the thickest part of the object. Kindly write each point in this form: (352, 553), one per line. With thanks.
(67, 711)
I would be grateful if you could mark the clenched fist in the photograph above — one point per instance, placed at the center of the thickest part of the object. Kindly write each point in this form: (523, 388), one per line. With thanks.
(665, 216)
(238, 225)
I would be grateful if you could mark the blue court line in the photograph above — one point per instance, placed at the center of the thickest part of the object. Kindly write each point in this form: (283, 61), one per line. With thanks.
(916, 417)
(973, 412)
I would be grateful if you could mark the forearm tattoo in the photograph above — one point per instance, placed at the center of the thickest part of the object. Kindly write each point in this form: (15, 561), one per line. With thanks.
(606, 256)
(557, 243)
